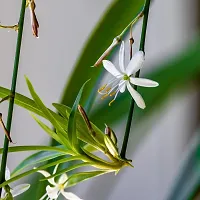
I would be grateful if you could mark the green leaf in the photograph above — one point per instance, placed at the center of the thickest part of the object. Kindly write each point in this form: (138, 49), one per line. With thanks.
(72, 119)
(37, 148)
(63, 110)
(95, 158)
(46, 112)
(82, 130)
(64, 160)
(48, 130)
(36, 158)
(83, 176)
(68, 169)
(118, 15)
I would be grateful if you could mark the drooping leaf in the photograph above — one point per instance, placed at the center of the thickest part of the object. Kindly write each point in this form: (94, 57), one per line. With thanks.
(38, 148)
(35, 159)
(64, 160)
(76, 166)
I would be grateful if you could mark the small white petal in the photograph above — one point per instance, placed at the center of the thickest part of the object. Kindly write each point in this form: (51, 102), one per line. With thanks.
(19, 189)
(52, 192)
(143, 82)
(136, 63)
(46, 174)
(42, 198)
(55, 169)
(7, 173)
(136, 96)
(122, 86)
(111, 68)
(70, 195)
(3, 193)
(122, 57)
(63, 178)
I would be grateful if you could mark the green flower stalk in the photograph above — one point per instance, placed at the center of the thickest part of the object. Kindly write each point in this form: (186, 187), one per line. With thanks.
(13, 88)
(142, 46)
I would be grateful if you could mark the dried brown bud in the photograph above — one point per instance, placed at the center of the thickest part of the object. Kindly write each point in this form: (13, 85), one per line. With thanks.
(4, 128)
(86, 119)
(116, 41)
(34, 21)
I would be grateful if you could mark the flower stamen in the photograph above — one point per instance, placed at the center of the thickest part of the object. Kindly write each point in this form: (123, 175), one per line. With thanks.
(102, 88)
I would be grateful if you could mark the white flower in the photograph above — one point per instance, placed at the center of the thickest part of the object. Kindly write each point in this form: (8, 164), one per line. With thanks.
(123, 78)
(58, 187)
(17, 190)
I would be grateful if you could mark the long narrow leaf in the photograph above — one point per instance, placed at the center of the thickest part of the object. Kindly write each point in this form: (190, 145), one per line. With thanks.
(72, 119)
(37, 148)
(39, 168)
(46, 112)
(83, 176)
(36, 158)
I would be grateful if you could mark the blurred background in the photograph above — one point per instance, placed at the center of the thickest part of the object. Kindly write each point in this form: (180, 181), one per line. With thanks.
(171, 131)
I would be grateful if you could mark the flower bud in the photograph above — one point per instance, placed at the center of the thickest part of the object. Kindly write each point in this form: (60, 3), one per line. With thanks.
(111, 134)
(111, 146)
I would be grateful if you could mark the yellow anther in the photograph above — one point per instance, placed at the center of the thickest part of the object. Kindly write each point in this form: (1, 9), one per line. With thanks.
(111, 102)
(104, 96)
(107, 90)
(102, 88)
(113, 93)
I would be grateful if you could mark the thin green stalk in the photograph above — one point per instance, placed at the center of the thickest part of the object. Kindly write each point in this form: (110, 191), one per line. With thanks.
(13, 88)
(142, 46)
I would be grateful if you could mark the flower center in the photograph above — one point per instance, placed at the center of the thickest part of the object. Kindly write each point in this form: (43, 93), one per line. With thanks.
(61, 186)
(126, 77)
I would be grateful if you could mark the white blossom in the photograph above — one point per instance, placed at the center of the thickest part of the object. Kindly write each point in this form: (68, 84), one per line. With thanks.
(17, 190)
(56, 188)
(124, 77)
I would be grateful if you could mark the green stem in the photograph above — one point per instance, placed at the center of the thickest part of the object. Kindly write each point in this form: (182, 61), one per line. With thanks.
(132, 22)
(142, 46)
(13, 88)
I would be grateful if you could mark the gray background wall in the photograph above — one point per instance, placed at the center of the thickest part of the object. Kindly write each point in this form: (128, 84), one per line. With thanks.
(47, 61)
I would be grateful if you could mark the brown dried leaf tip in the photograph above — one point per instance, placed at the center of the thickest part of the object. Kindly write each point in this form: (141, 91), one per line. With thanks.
(34, 21)
(4, 128)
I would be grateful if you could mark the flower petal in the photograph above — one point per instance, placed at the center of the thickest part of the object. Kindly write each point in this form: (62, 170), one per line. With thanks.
(19, 189)
(7, 173)
(111, 68)
(3, 193)
(122, 57)
(43, 197)
(136, 96)
(63, 178)
(143, 82)
(52, 192)
(46, 174)
(55, 169)
(122, 86)
(70, 195)
(136, 63)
